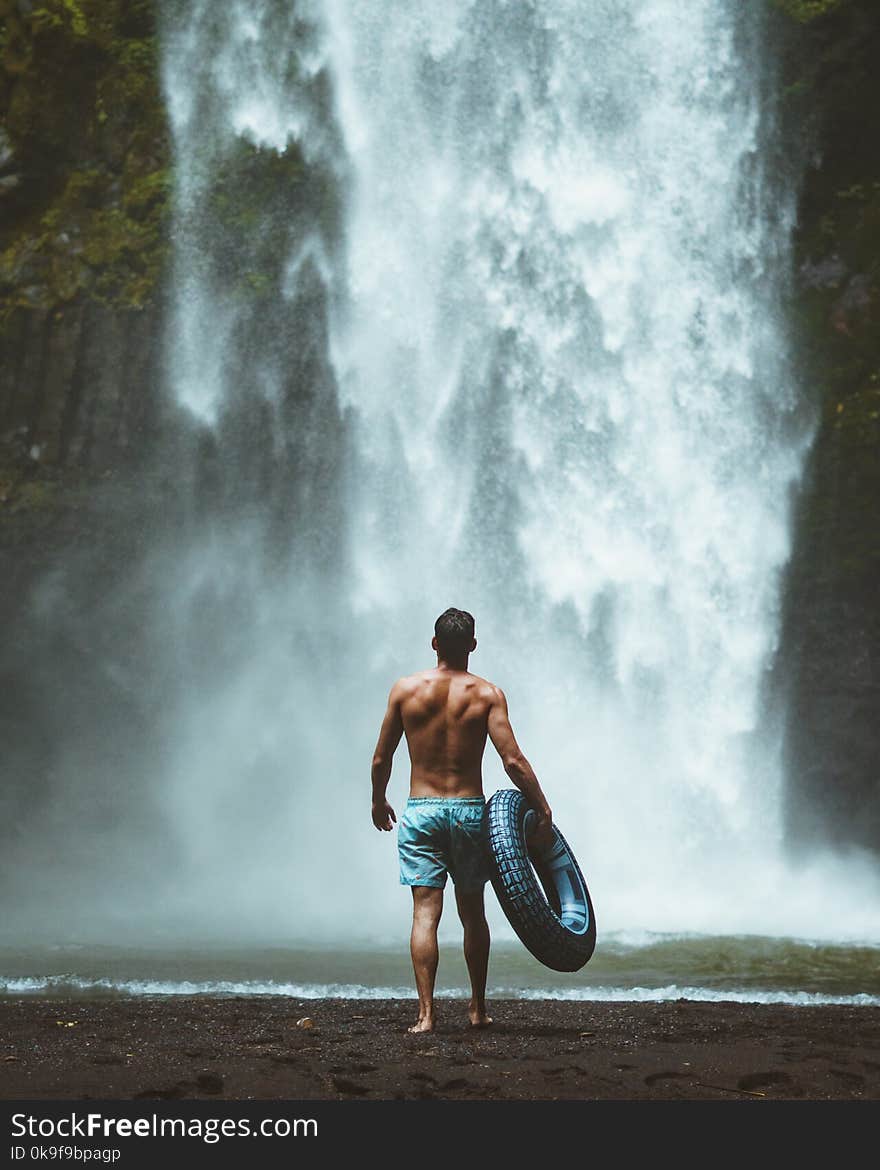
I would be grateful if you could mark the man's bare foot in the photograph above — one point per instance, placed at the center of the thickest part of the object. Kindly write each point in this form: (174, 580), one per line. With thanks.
(479, 1017)
(421, 1026)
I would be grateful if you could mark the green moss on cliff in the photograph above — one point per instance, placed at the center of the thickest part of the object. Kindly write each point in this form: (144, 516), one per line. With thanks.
(65, 14)
(88, 130)
(805, 11)
(245, 219)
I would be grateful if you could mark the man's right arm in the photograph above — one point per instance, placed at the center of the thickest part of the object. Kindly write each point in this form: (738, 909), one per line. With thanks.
(389, 738)
(515, 763)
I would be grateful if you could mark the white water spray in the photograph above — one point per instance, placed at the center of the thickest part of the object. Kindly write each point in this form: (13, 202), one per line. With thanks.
(553, 322)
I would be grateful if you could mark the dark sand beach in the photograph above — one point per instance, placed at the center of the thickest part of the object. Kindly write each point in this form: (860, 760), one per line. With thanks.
(254, 1048)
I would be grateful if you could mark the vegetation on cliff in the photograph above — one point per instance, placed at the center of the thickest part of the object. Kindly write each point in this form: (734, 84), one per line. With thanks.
(84, 146)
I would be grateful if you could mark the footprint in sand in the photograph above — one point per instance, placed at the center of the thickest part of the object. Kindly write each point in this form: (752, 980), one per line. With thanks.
(204, 1083)
(666, 1075)
(209, 1083)
(350, 1088)
(455, 1083)
(170, 1094)
(763, 1080)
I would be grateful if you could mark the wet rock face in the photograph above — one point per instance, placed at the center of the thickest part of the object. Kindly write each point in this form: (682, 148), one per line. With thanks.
(83, 211)
(78, 386)
(83, 193)
(834, 743)
(831, 637)
(9, 177)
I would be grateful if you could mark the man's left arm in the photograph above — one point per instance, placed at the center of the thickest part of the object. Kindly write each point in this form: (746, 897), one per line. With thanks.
(389, 738)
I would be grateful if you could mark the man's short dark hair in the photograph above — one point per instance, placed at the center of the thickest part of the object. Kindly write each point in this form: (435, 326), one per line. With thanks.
(454, 630)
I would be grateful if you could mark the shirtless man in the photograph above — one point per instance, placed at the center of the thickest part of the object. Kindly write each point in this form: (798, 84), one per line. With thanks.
(446, 715)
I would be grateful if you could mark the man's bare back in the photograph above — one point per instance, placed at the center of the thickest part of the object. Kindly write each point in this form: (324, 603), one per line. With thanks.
(445, 717)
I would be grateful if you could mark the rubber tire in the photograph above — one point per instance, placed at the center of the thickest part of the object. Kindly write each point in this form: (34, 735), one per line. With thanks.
(526, 900)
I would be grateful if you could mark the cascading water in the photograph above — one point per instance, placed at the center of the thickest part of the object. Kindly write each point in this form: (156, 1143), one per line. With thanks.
(480, 305)
(549, 312)
(562, 341)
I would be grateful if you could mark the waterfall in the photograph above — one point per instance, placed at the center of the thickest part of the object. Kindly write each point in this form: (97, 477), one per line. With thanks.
(550, 306)
(476, 304)
(561, 338)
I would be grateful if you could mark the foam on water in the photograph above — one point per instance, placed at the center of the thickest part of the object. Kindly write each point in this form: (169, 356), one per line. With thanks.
(62, 986)
(624, 967)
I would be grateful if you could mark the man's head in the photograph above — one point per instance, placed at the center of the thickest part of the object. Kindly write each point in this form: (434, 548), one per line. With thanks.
(454, 635)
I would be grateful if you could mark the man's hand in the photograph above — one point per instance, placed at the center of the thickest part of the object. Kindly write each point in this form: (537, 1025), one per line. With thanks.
(541, 835)
(383, 815)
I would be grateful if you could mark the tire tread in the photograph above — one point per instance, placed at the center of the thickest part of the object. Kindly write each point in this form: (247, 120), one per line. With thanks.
(519, 893)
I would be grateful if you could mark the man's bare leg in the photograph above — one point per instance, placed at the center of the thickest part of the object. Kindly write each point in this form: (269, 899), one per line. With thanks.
(472, 913)
(427, 908)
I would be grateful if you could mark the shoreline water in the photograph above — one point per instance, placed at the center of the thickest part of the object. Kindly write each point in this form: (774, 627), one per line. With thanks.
(74, 988)
(544, 1049)
(745, 969)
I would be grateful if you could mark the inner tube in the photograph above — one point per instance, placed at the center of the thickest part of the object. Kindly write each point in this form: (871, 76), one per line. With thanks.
(542, 892)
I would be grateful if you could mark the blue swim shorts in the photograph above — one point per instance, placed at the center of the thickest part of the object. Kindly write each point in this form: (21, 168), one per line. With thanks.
(438, 835)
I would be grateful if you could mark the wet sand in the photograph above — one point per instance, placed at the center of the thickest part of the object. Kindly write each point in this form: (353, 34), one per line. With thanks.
(254, 1048)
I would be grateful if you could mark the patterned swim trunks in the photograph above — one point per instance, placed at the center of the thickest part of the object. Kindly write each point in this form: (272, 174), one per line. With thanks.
(440, 835)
